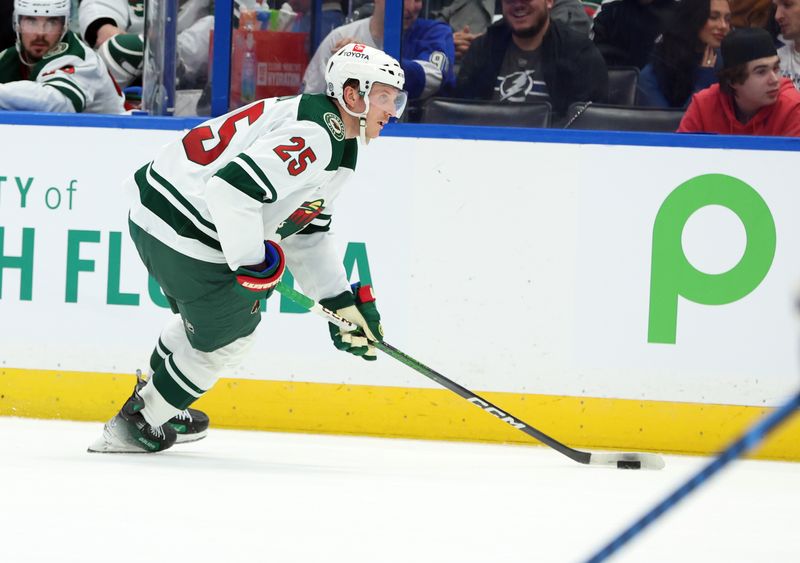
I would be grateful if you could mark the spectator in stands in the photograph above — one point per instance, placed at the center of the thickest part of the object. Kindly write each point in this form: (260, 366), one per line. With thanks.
(50, 68)
(787, 16)
(751, 98)
(625, 31)
(7, 37)
(528, 57)
(332, 16)
(751, 13)
(470, 18)
(114, 29)
(685, 60)
(427, 58)
(572, 13)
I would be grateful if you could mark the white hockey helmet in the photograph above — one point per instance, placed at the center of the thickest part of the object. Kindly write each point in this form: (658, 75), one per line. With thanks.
(367, 65)
(46, 8)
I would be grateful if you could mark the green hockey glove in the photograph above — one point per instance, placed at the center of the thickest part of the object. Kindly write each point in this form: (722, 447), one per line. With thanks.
(124, 57)
(359, 308)
(259, 281)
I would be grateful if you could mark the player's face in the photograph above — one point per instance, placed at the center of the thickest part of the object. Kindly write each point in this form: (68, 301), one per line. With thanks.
(717, 25)
(526, 18)
(787, 16)
(39, 34)
(411, 10)
(762, 85)
(385, 102)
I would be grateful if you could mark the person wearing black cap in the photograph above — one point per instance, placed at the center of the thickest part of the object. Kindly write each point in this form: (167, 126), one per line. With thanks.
(751, 97)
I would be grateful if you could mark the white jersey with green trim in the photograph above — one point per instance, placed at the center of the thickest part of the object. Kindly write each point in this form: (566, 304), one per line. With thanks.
(128, 15)
(69, 78)
(266, 171)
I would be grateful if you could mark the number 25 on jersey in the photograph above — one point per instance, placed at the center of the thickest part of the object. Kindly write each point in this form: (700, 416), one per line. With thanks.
(304, 155)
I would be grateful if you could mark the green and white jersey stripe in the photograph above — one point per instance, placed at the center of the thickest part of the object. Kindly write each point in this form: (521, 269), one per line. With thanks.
(266, 171)
(67, 86)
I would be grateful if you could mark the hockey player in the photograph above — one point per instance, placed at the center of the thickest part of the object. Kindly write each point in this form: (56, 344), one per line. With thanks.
(115, 29)
(219, 214)
(50, 68)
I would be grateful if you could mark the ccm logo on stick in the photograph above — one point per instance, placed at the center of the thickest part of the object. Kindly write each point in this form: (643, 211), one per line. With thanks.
(496, 412)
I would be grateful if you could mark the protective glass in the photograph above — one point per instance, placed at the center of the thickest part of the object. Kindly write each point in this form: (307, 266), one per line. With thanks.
(391, 100)
(41, 24)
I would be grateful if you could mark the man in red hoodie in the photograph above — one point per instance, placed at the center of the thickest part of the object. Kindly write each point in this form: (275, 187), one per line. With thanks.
(751, 98)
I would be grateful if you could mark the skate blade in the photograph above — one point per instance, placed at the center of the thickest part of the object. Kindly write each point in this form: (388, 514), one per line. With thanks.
(110, 443)
(187, 438)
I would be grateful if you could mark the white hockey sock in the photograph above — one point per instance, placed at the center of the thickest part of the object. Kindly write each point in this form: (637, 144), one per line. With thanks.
(156, 409)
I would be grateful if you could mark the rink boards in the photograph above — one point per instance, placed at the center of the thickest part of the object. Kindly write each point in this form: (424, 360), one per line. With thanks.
(612, 295)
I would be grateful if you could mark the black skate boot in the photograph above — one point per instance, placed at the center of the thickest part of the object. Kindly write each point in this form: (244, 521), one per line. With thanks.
(190, 425)
(129, 432)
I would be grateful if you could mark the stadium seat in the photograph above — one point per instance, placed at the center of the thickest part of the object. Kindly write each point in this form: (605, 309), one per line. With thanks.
(453, 111)
(601, 117)
(622, 85)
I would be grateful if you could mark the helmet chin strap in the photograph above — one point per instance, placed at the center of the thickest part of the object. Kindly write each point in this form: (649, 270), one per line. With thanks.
(362, 130)
(21, 50)
(362, 118)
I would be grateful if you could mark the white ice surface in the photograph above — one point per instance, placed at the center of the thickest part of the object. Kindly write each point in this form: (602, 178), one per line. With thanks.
(266, 497)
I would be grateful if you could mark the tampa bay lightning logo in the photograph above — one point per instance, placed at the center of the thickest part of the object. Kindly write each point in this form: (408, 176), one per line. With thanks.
(517, 86)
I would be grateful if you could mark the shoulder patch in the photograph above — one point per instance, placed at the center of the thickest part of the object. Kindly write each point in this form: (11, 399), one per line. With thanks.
(335, 125)
(318, 109)
(70, 46)
(59, 49)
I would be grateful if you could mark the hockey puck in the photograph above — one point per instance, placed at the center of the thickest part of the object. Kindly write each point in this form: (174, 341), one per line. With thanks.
(629, 465)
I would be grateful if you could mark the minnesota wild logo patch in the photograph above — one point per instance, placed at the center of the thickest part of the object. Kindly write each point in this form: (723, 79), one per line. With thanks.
(57, 50)
(335, 125)
(301, 217)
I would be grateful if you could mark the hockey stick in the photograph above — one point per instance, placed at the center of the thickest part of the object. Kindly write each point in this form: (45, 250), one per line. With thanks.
(618, 460)
(745, 443)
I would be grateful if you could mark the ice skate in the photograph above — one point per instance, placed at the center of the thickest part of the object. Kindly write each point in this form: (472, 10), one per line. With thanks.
(129, 432)
(190, 425)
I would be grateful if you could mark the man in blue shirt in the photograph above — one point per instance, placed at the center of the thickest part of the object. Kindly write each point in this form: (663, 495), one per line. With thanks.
(427, 57)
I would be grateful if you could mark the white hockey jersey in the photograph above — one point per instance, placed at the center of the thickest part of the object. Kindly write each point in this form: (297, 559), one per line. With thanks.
(194, 26)
(267, 171)
(128, 15)
(70, 78)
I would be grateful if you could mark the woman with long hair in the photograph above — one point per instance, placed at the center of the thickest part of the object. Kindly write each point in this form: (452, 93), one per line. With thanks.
(685, 60)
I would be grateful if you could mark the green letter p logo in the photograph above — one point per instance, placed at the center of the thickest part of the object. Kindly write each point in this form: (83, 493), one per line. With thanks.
(672, 275)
